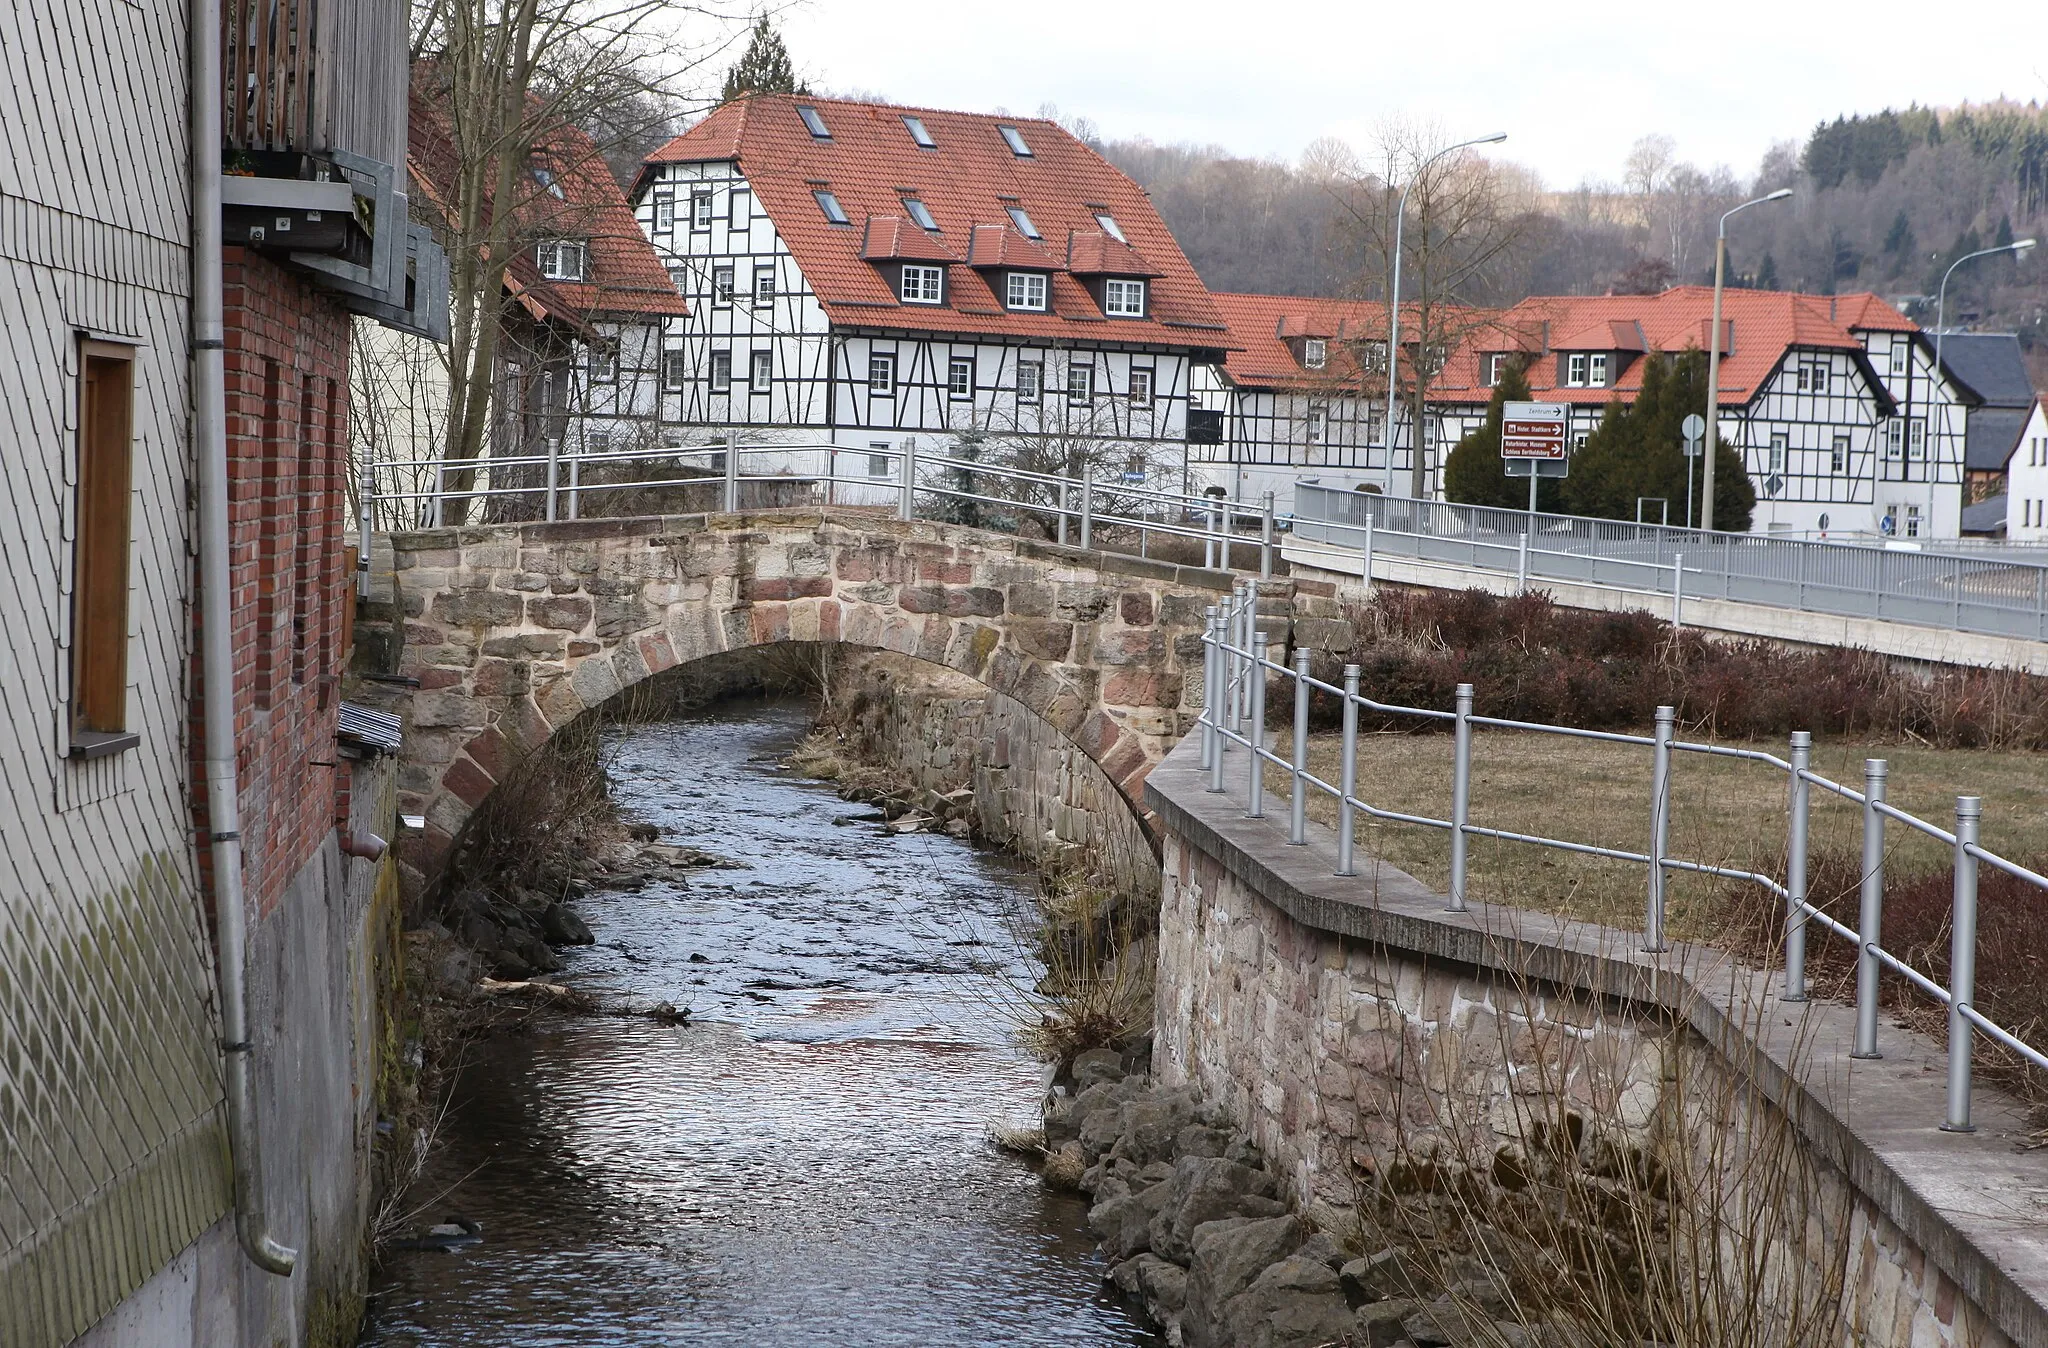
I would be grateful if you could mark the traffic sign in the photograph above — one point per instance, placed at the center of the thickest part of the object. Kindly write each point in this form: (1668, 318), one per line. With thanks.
(1535, 431)
(1694, 426)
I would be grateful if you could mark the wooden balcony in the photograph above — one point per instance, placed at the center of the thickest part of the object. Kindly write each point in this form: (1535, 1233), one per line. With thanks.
(309, 77)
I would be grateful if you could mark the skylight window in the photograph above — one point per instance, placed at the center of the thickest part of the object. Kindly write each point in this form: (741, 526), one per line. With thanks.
(1110, 226)
(813, 123)
(1014, 138)
(915, 126)
(829, 204)
(547, 180)
(1022, 222)
(920, 213)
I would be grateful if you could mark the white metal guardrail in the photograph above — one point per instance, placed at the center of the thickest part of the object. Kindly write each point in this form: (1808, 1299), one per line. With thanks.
(416, 493)
(1236, 670)
(1969, 591)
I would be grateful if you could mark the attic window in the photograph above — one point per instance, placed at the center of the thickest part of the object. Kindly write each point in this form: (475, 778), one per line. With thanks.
(547, 180)
(560, 259)
(920, 213)
(813, 123)
(1022, 222)
(1315, 352)
(1015, 140)
(1110, 226)
(829, 204)
(915, 126)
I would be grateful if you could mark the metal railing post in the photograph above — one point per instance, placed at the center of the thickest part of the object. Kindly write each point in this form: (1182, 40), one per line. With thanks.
(1211, 709)
(1677, 590)
(1255, 795)
(1211, 520)
(1297, 807)
(1241, 638)
(1087, 512)
(1062, 535)
(1347, 772)
(1461, 794)
(440, 487)
(731, 464)
(1219, 629)
(1660, 829)
(1223, 534)
(554, 473)
(1266, 536)
(1522, 563)
(1870, 909)
(1962, 965)
(906, 505)
(575, 485)
(1368, 551)
(1800, 812)
(366, 499)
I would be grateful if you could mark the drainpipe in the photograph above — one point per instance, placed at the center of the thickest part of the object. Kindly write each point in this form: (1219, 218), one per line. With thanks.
(216, 652)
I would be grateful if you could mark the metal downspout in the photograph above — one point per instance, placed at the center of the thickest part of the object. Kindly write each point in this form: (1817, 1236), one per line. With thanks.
(216, 653)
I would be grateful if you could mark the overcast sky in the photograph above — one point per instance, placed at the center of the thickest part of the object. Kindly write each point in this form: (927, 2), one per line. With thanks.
(1574, 86)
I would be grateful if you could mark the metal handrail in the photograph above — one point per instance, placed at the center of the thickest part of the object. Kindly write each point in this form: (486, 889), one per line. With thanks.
(1236, 670)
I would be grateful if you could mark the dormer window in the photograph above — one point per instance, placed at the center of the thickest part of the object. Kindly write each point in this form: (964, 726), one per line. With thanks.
(1575, 370)
(1376, 357)
(1315, 353)
(1123, 299)
(813, 123)
(560, 259)
(1492, 368)
(922, 285)
(829, 204)
(1109, 226)
(1022, 221)
(1027, 291)
(1596, 369)
(1014, 138)
(920, 214)
(915, 126)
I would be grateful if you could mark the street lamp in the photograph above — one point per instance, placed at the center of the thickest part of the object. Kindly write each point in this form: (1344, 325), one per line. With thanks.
(1394, 307)
(1714, 359)
(2016, 248)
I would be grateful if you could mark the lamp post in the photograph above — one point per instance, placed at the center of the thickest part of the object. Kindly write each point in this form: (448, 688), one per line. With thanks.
(2016, 248)
(1394, 305)
(1714, 359)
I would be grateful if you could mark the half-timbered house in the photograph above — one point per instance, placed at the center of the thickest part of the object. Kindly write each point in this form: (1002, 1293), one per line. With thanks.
(863, 275)
(1832, 401)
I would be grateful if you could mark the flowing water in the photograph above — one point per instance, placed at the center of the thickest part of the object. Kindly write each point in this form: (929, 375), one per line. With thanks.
(807, 1161)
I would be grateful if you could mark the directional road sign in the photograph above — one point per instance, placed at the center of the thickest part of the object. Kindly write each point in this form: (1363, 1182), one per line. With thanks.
(1535, 431)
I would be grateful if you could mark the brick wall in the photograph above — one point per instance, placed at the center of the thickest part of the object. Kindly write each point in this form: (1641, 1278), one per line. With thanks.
(287, 391)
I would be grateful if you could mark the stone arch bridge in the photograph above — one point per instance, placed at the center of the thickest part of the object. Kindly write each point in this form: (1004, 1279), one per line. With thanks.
(515, 630)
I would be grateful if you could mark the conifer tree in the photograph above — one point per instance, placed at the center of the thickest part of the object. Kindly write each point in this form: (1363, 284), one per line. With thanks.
(1474, 474)
(765, 67)
(1638, 452)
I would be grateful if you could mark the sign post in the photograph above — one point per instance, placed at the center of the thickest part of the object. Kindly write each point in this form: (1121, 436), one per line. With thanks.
(1535, 441)
(1693, 427)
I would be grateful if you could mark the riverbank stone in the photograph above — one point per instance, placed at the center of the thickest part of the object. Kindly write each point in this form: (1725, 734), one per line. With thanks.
(1292, 1304)
(1206, 1189)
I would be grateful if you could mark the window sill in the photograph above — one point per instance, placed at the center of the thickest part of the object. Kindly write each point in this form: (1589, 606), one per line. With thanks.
(90, 744)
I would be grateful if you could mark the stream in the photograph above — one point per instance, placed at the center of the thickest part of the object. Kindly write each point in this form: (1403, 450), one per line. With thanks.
(806, 1162)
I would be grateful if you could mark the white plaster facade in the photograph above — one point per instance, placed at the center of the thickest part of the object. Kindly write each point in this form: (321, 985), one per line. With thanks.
(2026, 481)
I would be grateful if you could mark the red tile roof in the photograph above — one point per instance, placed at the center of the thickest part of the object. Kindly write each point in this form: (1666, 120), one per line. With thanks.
(570, 194)
(1759, 328)
(1263, 329)
(967, 182)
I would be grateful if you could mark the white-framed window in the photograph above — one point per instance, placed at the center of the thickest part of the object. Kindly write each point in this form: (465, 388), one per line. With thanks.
(760, 372)
(1838, 455)
(560, 259)
(882, 373)
(1080, 385)
(922, 285)
(721, 285)
(1779, 443)
(764, 285)
(1110, 226)
(1895, 439)
(1916, 440)
(664, 210)
(1575, 370)
(1014, 138)
(1596, 370)
(721, 371)
(1123, 299)
(678, 277)
(920, 214)
(879, 459)
(960, 377)
(1579, 439)
(1027, 291)
(921, 137)
(1030, 380)
(1316, 416)
(813, 123)
(1492, 368)
(603, 365)
(1315, 353)
(1900, 346)
(835, 214)
(1376, 357)
(1812, 376)
(1141, 386)
(675, 368)
(700, 210)
(1022, 220)
(1912, 521)
(739, 208)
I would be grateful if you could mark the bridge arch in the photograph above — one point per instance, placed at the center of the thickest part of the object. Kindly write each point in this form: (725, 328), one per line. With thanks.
(515, 630)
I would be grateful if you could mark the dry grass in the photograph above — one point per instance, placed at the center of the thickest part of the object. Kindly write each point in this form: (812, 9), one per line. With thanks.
(1724, 811)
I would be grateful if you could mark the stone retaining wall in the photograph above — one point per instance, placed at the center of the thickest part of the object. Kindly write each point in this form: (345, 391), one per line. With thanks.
(1372, 1044)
